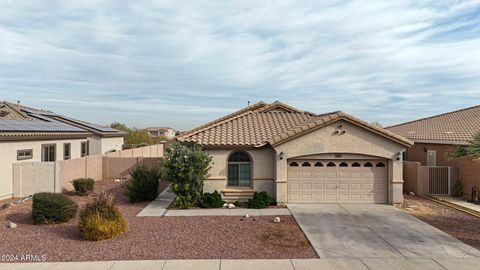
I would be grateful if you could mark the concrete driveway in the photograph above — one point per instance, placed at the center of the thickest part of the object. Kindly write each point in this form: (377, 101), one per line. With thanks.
(374, 231)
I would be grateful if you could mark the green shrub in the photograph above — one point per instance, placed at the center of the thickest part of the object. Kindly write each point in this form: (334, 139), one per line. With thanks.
(52, 208)
(186, 166)
(259, 200)
(211, 200)
(83, 186)
(458, 189)
(144, 185)
(101, 219)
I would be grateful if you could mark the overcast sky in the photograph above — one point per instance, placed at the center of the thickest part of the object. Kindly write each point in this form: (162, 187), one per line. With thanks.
(182, 63)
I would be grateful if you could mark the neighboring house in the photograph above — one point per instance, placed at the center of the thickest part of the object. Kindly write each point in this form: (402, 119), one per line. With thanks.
(301, 157)
(32, 135)
(435, 138)
(166, 132)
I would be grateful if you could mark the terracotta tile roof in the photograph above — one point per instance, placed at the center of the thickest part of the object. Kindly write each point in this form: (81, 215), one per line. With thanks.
(455, 127)
(262, 123)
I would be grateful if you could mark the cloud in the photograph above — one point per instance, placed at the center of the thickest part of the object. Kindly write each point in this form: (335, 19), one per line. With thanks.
(182, 63)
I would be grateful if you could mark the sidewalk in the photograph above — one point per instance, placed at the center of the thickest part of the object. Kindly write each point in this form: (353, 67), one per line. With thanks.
(285, 264)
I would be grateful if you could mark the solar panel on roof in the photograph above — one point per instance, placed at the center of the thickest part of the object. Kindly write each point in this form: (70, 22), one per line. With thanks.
(27, 125)
(38, 112)
(90, 125)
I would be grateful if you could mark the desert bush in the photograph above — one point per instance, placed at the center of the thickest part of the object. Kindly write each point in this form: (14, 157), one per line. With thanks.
(50, 207)
(186, 166)
(101, 219)
(144, 185)
(83, 186)
(211, 200)
(259, 200)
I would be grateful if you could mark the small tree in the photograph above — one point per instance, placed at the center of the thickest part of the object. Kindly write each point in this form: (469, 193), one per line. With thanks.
(186, 166)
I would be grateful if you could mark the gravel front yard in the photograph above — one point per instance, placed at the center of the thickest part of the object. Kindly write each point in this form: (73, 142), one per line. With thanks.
(460, 225)
(154, 237)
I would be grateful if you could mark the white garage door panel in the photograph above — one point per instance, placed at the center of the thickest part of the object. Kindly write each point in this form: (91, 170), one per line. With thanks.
(337, 184)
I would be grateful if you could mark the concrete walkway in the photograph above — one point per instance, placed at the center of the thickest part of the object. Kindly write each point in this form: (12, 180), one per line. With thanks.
(228, 212)
(286, 264)
(371, 231)
(461, 203)
(158, 207)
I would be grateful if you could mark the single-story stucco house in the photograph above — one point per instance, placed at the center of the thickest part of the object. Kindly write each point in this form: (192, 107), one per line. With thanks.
(32, 135)
(301, 157)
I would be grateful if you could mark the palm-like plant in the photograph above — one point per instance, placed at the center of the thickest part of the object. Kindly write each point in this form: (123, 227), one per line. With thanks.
(471, 149)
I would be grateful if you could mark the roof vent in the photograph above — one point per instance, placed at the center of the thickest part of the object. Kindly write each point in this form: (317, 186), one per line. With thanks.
(4, 113)
(449, 132)
(411, 132)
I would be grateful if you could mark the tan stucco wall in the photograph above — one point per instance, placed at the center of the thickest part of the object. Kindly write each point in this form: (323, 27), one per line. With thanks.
(418, 154)
(355, 140)
(468, 174)
(36, 176)
(8, 156)
(262, 169)
(92, 166)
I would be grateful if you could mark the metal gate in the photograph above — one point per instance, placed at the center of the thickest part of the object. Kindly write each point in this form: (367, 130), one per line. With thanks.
(439, 180)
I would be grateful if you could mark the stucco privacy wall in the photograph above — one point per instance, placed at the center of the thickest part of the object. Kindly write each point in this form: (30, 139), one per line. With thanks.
(468, 174)
(67, 170)
(355, 140)
(8, 156)
(42, 172)
(58, 175)
(415, 178)
(263, 173)
(116, 167)
(156, 150)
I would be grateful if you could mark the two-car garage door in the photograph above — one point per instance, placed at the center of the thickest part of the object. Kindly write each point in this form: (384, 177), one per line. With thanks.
(337, 181)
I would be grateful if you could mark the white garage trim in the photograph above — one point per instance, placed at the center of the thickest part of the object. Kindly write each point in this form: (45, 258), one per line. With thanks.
(337, 181)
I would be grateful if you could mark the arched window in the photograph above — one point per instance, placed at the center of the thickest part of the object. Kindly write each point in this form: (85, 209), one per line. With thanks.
(368, 164)
(318, 164)
(331, 164)
(294, 164)
(239, 169)
(380, 164)
(306, 164)
(343, 164)
(355, 164)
